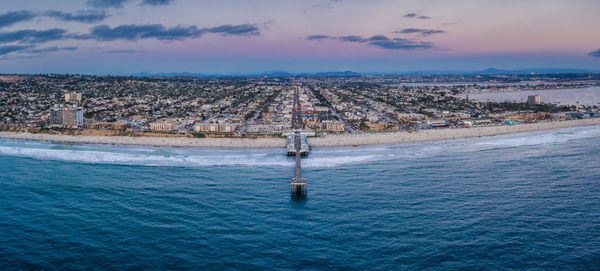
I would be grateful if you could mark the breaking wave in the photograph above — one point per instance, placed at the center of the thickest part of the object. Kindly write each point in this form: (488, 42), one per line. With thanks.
(541, 137)
(320, 157)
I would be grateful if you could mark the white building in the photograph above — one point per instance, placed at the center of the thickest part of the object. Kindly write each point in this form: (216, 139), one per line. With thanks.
(68, 117)
(534, 99)
(209, 127)
(73, 97)
(162, 125)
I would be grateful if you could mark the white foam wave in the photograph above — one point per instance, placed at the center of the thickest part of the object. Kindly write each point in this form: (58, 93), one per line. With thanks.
(319, 157)
(181, 158)
(333, 161)
(152, 158)
(539, 138)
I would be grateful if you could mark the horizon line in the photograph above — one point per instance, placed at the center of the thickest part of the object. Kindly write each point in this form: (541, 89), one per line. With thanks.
(487, 71)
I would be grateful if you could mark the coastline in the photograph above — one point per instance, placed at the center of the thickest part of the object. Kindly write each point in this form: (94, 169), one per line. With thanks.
(328, 140)
(446, 134)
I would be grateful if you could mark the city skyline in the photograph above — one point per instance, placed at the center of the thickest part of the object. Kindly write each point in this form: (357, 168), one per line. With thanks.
(241, 37)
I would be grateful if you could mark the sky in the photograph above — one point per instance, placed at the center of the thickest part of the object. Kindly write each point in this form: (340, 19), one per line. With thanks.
(255, 36)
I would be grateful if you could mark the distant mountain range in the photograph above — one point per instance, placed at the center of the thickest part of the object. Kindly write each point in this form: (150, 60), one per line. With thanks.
(268, 74)
(489, 71)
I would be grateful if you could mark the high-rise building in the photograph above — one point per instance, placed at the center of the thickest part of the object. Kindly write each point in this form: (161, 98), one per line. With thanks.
(68, 117)
(73, 97)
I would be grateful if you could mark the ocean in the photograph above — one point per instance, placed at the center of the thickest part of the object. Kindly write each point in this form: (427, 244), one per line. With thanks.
(526, 201)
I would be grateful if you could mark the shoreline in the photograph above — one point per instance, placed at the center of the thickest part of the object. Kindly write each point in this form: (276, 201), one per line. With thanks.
(446, 134)
(329, 140)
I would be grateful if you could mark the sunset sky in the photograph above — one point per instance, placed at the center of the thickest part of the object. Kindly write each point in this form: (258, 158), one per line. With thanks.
(245, 36)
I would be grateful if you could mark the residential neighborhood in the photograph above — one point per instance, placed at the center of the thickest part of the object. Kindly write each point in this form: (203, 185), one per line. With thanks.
(262, 106)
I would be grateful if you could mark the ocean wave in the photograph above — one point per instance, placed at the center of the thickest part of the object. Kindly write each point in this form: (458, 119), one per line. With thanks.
(174, 157)
(320, 157)
(137, 157)
(540, 137)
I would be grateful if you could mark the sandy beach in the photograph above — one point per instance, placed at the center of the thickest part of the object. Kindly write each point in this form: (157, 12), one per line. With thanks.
(444, 134)
(328, 140)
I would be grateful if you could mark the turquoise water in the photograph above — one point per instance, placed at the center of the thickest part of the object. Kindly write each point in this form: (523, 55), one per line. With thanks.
(523, 202)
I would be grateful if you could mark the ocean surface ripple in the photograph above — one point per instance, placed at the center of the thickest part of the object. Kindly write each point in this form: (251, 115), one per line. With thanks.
(519, 202)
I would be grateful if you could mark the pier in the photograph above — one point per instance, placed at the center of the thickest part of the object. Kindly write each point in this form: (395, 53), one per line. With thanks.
(298, 184)
(291, 147)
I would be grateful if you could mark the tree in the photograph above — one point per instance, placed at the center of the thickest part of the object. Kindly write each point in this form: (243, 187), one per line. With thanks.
(363, 125)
